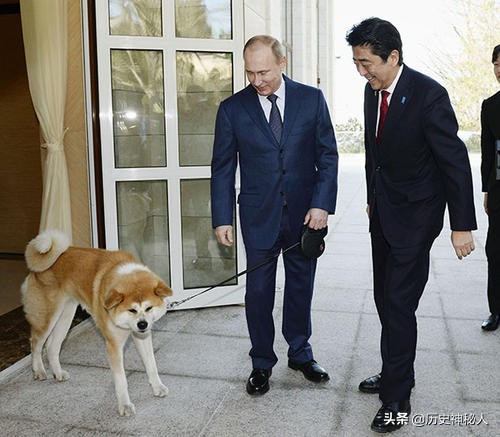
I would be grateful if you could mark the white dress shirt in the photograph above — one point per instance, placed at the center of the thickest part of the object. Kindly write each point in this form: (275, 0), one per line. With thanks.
(280, 102)
(390, 89)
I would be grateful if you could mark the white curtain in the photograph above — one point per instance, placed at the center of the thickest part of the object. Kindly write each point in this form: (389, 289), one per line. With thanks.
(44, 24)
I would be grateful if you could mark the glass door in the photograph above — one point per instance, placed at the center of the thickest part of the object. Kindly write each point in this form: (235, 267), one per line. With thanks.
(163, 68)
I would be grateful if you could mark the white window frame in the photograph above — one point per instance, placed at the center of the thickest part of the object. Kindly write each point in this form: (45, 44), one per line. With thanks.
(172, 173)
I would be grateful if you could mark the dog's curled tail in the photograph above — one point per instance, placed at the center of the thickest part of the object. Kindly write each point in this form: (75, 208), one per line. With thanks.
(44, 250)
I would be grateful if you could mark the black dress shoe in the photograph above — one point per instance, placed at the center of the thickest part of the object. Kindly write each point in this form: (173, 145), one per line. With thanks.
(370, 384)
(258, 381)
(491, 323)
(311, 370)
(391, 416)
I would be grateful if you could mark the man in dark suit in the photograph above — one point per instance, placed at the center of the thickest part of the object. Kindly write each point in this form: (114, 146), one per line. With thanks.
(490, 178)
(415, 166)
(280, 133)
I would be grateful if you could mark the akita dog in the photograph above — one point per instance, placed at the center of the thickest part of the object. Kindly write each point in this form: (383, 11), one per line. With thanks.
(123, 296)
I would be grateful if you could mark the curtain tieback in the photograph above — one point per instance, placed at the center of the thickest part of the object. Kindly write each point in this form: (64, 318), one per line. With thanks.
(53, 147)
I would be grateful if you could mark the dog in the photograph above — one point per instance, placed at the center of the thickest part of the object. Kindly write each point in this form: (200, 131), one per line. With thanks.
(123, 296)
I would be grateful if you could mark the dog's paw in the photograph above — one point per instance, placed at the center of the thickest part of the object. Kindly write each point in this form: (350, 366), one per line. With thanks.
(39, 375)
(126, 410)
(160, 391)
(62, 376)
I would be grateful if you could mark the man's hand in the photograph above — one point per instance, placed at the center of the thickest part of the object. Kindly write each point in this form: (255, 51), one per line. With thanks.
(316, 218)
(463, 243)
(485, 203)
(224, 235)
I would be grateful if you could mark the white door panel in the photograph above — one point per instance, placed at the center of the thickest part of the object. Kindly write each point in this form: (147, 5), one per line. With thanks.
(163, 68)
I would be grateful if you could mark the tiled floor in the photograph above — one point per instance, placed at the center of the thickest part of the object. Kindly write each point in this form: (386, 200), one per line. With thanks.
(202, 356)
(12, 273)
(14, 330)
(15, 336)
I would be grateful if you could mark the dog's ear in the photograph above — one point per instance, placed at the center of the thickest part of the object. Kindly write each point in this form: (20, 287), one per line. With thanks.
(163, 290)
(113, 299)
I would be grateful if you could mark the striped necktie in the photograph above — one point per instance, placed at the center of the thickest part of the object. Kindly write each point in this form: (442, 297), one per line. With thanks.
(275, 118)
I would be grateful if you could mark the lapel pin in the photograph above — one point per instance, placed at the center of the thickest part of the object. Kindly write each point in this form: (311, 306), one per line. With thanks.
(403, 100)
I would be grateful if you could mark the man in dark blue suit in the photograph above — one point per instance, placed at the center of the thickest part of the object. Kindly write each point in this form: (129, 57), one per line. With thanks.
(280, 133)
(415, 166)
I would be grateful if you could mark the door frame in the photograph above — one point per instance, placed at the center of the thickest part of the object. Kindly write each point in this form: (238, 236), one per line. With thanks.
(97, 46)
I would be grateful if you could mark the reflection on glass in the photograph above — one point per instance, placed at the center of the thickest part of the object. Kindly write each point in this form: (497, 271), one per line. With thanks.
(205, 262)
(138, 108)
(135, 18)
(203, 19)
(143, 223)
(203, 80)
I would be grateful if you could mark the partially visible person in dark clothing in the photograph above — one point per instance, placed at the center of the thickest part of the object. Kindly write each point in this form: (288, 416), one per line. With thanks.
(490, 178)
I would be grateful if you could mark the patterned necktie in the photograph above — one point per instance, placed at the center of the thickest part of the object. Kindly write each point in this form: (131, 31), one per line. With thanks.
(384, 106)
(275, 118)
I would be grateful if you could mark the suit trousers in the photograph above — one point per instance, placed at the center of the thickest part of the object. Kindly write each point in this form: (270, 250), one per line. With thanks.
(493, 257)
(260, 296)
(399, 278)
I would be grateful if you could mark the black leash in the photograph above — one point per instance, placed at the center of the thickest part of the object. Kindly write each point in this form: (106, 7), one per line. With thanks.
(250, 269)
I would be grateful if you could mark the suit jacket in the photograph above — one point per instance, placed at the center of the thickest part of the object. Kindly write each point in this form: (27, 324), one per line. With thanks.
(300, 170)
(420, 165)
(490, 133)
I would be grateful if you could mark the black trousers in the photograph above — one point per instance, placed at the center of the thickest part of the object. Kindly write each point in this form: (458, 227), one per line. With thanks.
(399, 278)
(493, 257)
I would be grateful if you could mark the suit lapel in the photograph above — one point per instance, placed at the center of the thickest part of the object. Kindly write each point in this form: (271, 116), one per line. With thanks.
(371, 108)
(292, 105)
(253, 107)
(399, 101)
(371, 102)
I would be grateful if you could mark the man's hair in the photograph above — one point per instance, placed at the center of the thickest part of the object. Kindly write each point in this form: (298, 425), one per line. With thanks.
(268, 41)
(379, 35)
(496, 52)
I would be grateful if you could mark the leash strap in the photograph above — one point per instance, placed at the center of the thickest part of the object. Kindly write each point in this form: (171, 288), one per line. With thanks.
(250, 269)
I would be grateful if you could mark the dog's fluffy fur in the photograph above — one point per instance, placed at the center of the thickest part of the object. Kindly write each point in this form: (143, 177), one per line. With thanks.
(123, 296)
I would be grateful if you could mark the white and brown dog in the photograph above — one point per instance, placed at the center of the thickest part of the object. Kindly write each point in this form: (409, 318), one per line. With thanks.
(123, 296)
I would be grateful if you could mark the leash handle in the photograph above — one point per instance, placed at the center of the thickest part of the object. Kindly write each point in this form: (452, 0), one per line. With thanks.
(237, 275)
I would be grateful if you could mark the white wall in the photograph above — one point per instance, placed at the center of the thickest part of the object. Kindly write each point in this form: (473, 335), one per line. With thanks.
(255, 13)
(262, 17)
(305, 43)
(312, 37)
(326, 51)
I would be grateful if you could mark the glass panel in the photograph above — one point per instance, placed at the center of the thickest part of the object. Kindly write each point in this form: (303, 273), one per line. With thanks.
(203, 81)
(138, 108)
(205, 262)
(143, 223)
(203, 19)
(135, 18)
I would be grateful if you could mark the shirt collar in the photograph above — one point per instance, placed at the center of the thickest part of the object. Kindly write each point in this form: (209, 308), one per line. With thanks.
(280, 92)
(392, 86)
